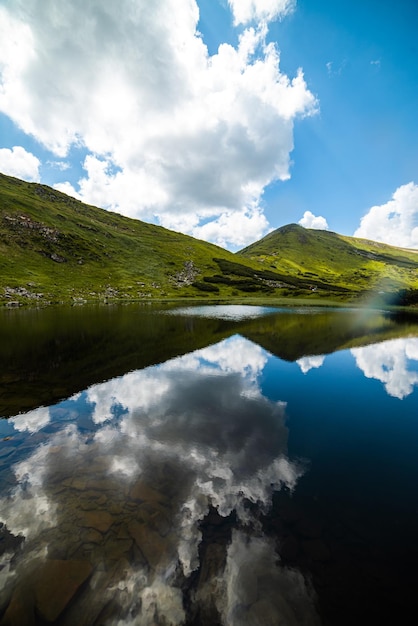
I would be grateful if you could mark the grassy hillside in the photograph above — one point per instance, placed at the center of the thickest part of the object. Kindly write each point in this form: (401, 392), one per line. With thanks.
(55, 249)
(330, 260)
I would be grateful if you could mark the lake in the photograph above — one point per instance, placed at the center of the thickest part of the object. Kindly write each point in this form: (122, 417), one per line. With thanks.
(208, 465)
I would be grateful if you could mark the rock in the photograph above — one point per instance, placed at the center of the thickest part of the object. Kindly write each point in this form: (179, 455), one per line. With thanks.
(79, 484)
(99, 520)
(264, 612)
(213, 562)
(101, 606)
(93, 536)
(56, 584)
(20, 611)
(115, 549)
(122, 532)
(58, 258)
(210, 585)
(141, 491)
(156, 516)
(150, 543)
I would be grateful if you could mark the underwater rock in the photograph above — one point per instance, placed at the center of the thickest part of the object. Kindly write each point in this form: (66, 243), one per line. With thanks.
(99, 520)
(57, 582)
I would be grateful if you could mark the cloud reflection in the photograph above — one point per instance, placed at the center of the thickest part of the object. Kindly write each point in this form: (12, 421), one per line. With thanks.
(394, 363)
(32, 421)
(307, 363)
(259, 592)
(167, 443)
(235, 312)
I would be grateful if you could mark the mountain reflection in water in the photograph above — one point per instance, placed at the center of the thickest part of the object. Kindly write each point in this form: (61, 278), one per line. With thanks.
(198, 491)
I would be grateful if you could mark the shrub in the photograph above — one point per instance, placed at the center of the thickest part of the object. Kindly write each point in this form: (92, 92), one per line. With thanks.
(205, 287)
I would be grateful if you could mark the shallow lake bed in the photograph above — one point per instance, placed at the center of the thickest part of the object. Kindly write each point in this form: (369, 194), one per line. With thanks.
(204, 466)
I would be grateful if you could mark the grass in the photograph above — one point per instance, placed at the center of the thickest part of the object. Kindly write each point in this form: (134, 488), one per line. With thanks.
(331, 261)
(55, 249)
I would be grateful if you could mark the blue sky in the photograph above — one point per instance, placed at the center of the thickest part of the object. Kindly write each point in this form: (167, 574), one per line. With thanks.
(226, 119)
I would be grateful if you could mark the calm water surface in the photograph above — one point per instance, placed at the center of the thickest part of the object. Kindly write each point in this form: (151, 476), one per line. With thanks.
(208, 466)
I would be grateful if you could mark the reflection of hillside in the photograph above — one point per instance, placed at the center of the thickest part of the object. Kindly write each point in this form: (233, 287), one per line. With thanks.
(291, 336)
(51, 354)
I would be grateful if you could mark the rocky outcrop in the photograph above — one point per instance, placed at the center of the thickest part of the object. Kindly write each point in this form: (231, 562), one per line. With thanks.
(187, 275)
(24, 222)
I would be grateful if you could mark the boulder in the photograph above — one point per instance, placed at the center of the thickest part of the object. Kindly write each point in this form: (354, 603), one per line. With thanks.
(56, 584)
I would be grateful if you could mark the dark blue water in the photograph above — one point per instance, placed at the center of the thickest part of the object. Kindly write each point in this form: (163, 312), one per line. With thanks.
(265, 475)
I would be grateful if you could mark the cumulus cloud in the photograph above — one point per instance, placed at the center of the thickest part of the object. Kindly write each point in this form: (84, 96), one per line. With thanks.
(259, 591)
(172, 134)
(199, 437)
(32, 421)
(307, 363)
(245, 11)
(391, 362)
(141, 390)
(20, 163)
(309, 220)
(395, 222)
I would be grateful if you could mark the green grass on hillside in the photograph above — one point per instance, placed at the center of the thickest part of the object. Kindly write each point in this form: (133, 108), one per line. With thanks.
(336, 261)
(55, 249)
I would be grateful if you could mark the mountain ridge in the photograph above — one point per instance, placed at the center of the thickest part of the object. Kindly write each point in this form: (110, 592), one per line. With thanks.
(355, 263)
(56, 249)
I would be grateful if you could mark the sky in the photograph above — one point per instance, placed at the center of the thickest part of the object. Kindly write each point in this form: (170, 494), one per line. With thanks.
(222, 119)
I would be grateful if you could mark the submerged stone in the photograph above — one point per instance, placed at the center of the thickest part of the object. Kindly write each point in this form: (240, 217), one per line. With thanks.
(142, 492)
(57, 583)
(99, 520)
(20, 611)
(150, 543)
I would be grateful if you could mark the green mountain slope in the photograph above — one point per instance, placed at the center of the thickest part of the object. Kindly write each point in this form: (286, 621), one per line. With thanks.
(326, 258)
(54, 248)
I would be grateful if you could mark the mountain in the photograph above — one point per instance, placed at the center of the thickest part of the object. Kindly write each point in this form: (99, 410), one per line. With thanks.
(55, 249)
(329, 260)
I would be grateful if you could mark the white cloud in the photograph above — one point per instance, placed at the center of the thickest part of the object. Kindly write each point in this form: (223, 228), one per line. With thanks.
(245, 11)
(307, 363)
(32, 421)
(198, 436)
(235, 228)
(59, 165)
(259, 590)
(19, 163)
(141, 390)
(395, 222)
(172, 133)
(309, 220)
(334, 69)
(390, 362)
